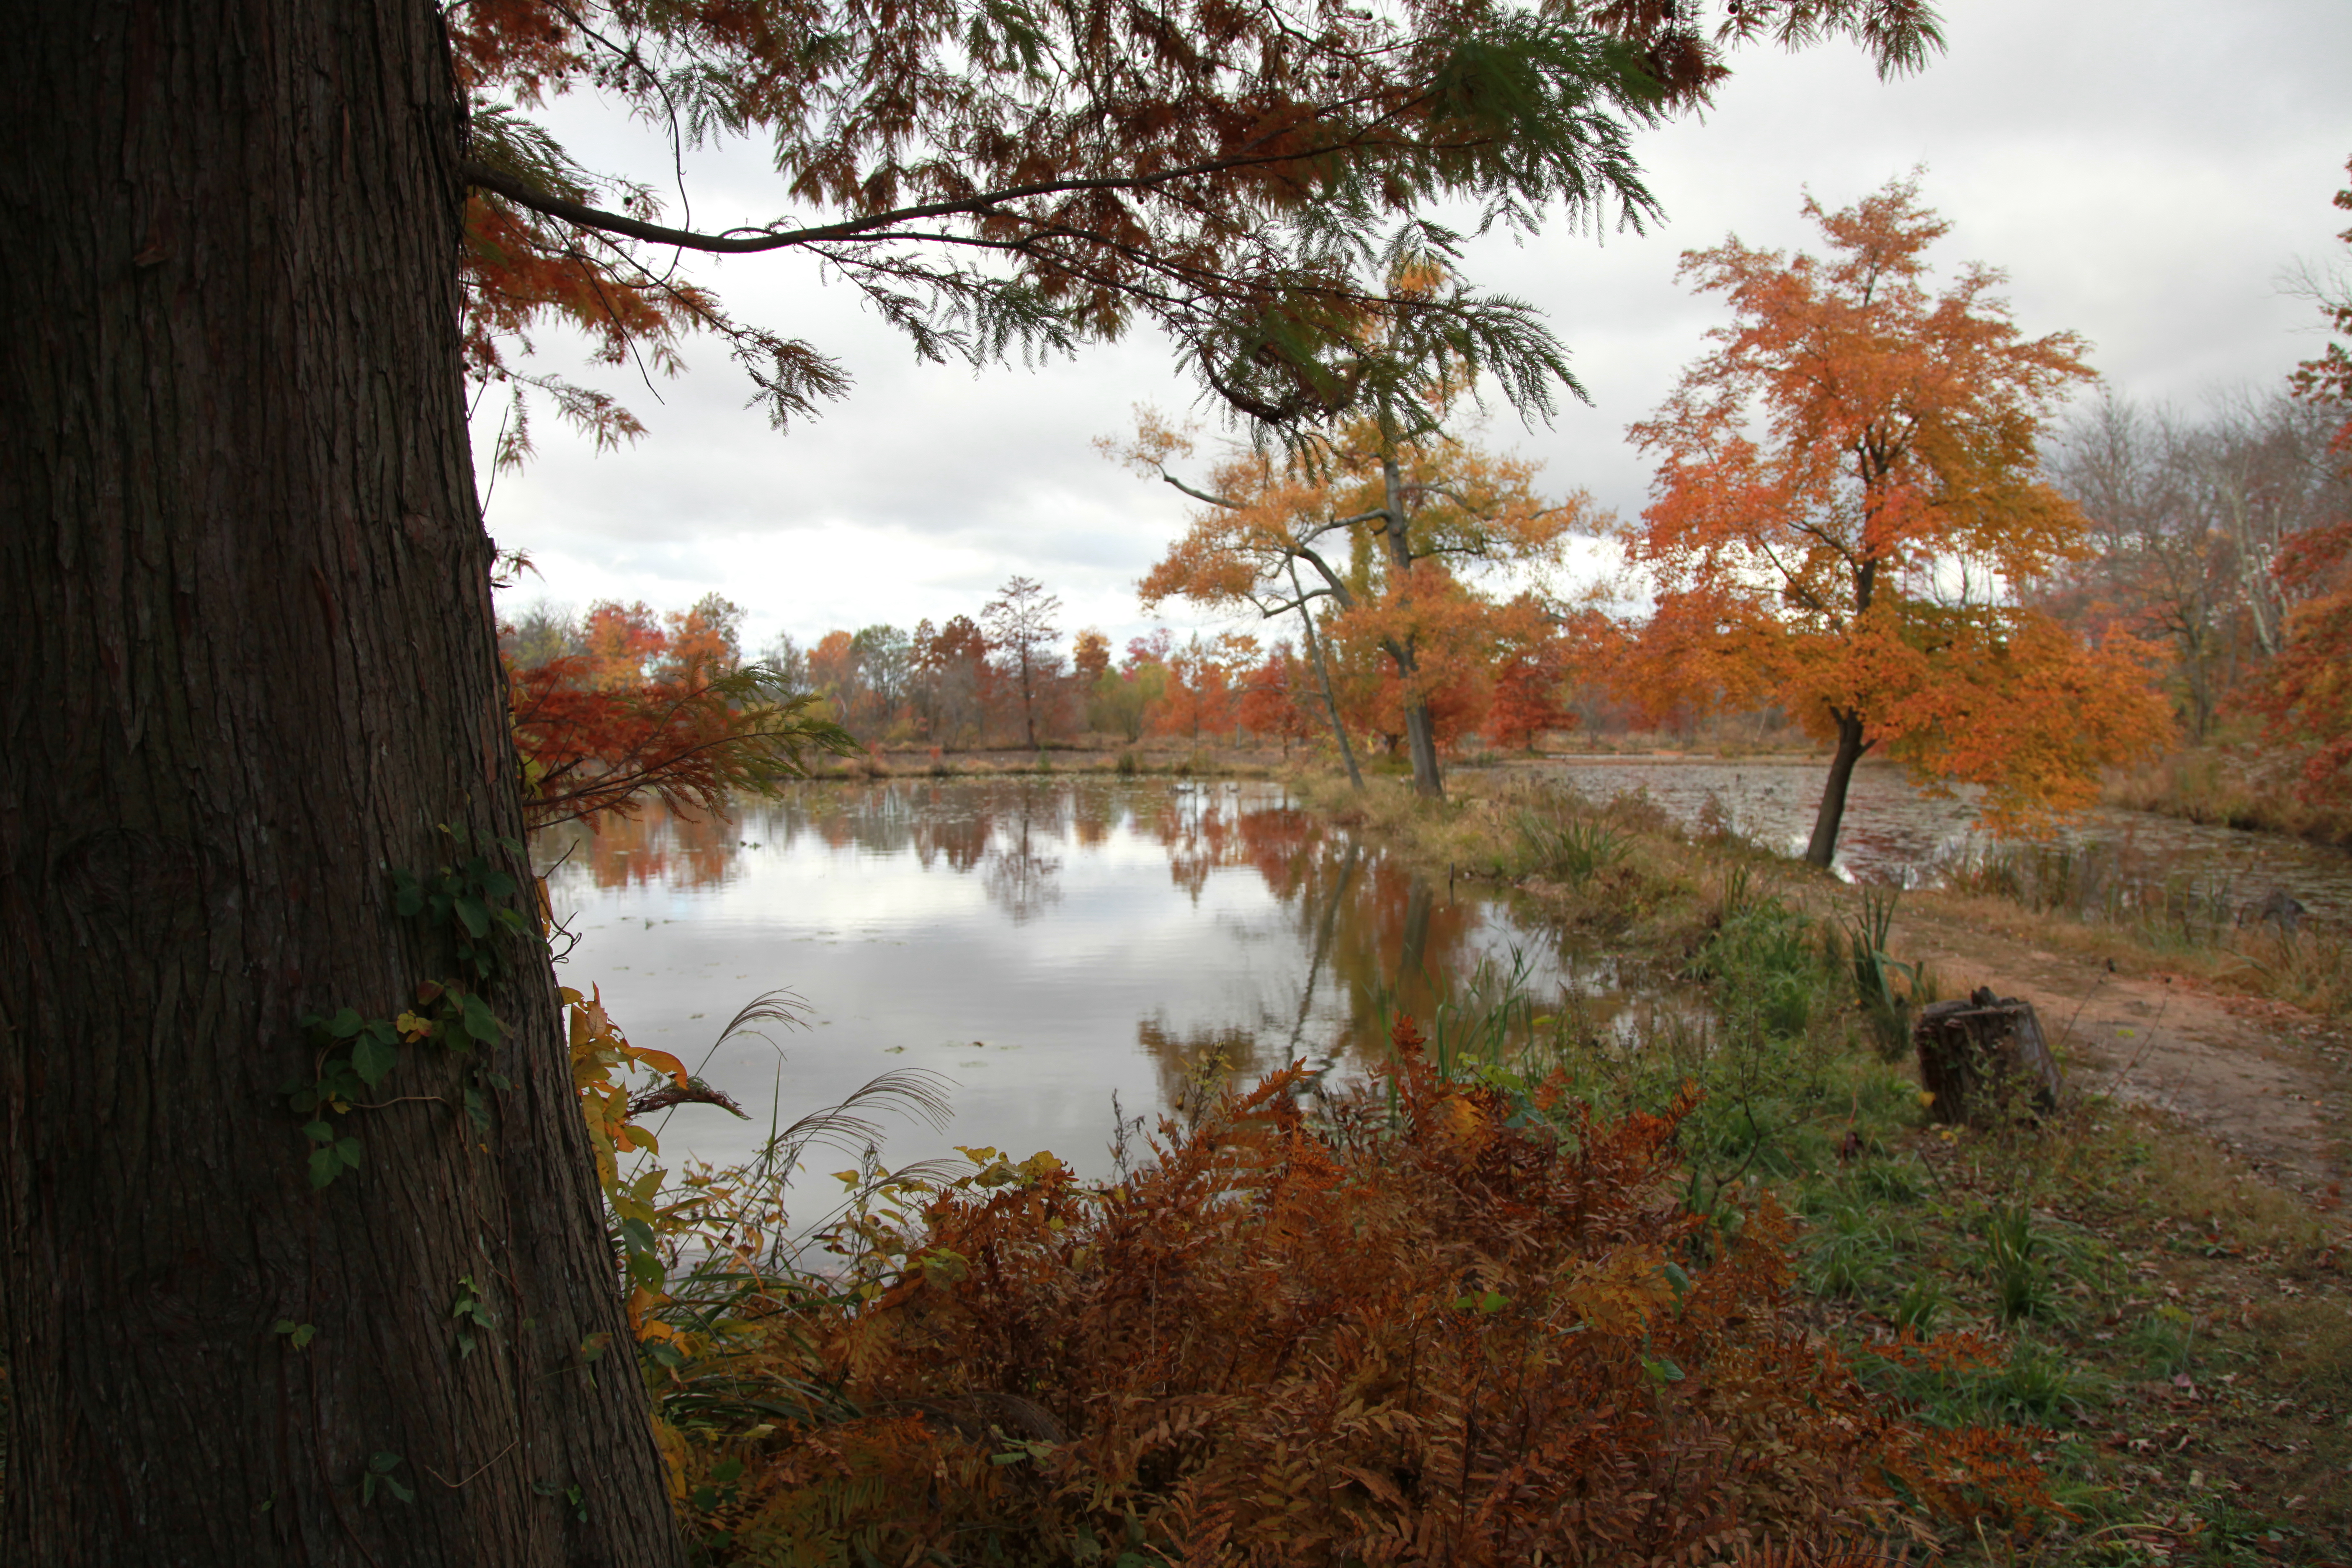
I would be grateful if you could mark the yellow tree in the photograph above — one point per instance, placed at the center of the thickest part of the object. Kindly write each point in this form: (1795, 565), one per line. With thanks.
(1845, 505)
(1382, 525)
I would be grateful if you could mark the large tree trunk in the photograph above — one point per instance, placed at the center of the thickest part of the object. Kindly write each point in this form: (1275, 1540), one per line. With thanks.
(1823, 849)
(250, 660)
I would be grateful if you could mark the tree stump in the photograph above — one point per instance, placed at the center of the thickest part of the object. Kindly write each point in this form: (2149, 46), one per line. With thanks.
(1977, 1055)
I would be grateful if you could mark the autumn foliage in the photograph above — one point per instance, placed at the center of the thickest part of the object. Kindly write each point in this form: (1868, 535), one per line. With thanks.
(1428, 1320)
(653, 709)
(1847, 509)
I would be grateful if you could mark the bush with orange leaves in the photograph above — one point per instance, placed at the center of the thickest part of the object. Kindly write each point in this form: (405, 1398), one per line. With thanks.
(1432, 1322)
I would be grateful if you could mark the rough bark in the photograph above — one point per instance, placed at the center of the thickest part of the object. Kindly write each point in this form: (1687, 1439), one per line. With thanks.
(1420, 731)
(1822, 848)
(250, 669)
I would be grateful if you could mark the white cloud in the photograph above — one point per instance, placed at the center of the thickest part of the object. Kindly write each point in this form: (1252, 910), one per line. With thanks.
(2143, 172)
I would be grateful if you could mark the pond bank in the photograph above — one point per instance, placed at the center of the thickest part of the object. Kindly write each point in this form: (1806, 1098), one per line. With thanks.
(2166, 1260)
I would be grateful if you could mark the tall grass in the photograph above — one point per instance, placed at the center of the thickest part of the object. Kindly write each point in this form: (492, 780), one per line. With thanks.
(1888, 1009)
(2177, 913)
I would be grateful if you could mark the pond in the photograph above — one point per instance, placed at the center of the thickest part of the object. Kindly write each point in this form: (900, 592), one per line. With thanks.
(1047, 944)
(1894, 832)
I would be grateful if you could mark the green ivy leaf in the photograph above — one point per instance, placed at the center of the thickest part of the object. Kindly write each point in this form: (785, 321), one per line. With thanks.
(473, 916)
(373, 1057)
(480, 1021)
(324, 1167)
(379, 1474)
(345, 1023)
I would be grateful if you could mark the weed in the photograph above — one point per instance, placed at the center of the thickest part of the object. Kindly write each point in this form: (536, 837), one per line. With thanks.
(1861, 946)
(2035, 1386)
(1574, 848)
(2163, 1340)
(2020, 1275)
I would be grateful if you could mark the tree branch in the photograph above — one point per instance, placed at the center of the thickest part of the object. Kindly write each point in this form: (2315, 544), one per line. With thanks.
(744, 242)
(1167, 478)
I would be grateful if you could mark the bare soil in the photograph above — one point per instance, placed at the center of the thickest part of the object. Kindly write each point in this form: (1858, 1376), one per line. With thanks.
(2267, 1082)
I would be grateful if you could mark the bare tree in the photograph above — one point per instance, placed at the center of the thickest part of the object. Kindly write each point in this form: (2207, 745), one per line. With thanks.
(1020, 626)
(2188, 511)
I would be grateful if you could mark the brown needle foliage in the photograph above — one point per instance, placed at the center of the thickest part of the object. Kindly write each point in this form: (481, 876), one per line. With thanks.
(1434, 1321)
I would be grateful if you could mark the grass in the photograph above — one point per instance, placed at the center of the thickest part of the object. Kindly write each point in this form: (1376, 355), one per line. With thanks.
(2176, 1332)
(2173, 1335)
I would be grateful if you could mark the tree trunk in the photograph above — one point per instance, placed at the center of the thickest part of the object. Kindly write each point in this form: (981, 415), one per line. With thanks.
(1823, 849)
(1323, 682)
(252, 668)
(1420, 733)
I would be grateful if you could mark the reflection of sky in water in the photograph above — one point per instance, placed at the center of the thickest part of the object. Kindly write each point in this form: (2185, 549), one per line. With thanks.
(1043, 942)
(1047, 942)
(1894, 832)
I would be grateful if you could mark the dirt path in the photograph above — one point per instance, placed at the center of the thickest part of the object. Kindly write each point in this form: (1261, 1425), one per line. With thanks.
(2267, 1082)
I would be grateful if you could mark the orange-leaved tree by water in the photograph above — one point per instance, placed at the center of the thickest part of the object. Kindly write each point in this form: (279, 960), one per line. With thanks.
(1531, 662)
(1380, 526)
(1847, 502)
(662, 707)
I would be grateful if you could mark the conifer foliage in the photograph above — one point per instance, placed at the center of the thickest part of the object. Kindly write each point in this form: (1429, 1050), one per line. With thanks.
(1428, 1320)
(992, 176)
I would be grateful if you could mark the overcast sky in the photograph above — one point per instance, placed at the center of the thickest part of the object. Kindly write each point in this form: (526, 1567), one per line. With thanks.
(2143, 170)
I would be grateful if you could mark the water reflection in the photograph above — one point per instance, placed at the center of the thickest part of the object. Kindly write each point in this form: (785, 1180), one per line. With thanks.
(1046, 942)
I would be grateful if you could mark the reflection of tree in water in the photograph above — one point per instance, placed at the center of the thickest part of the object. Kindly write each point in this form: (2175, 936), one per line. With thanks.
(880, 819)
(1368, 931)
(958, 836)
(1092, 816)
(1194, 1064)
(653, 845)
(1198, 827)
(1020, 876)
(1369, 928)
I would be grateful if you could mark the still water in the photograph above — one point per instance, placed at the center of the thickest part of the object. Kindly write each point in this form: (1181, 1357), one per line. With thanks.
(1047, 944)
(1893, 832)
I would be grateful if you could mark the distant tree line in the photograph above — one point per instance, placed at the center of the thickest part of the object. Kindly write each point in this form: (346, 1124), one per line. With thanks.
(1005, 678)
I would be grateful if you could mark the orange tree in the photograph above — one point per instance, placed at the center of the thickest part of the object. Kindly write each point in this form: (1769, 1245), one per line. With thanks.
(2305, 692)
(1531, 660)
(1847, 502)
(254, 656)
(1379, 525)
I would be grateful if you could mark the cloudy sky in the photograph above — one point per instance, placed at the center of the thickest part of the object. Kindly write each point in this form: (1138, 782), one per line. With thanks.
(2144, 171)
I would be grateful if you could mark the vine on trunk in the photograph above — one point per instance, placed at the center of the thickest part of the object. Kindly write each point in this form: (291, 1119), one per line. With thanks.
(467, 901)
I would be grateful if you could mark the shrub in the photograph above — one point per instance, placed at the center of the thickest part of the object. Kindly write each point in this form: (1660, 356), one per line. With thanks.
(1434, 1320)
